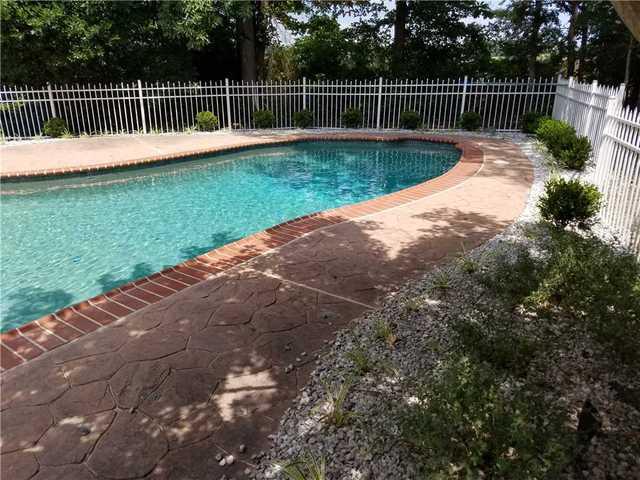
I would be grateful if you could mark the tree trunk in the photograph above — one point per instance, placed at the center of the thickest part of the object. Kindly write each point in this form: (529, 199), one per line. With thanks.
(582, 53)
(627, 65)
(261, 37)
(534, 47)
(399, 35)
(248, 66)
(571, 39)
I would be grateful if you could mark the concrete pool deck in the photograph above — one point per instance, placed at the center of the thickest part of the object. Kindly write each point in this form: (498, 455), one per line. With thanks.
(163, 391)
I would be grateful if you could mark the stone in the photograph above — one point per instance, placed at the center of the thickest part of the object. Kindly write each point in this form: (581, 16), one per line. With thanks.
(180, 394)
(66, 472)
(153, 345)
(242, 448)
(229, 459)
(71, 439)
(18, 465)
(131, 447)
(22, 427)
(37, 383)
(135, 381)
(90, 369)
(83, 400)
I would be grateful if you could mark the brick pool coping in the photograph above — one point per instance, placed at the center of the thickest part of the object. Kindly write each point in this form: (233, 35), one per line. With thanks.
(31, 340)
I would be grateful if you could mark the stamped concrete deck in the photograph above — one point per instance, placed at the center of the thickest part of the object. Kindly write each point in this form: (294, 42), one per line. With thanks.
(161, 392)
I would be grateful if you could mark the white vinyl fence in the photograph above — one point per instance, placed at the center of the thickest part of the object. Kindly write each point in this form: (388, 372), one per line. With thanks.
(171, 107)
(597, 112)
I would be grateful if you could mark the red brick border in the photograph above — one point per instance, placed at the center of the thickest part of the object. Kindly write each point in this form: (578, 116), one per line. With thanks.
(29, 341)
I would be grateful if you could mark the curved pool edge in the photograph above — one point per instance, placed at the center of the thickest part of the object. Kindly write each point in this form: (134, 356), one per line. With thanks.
(29, 341)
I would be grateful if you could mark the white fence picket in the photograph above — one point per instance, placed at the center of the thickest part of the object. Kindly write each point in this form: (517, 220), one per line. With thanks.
(171, 107)
(596, 112)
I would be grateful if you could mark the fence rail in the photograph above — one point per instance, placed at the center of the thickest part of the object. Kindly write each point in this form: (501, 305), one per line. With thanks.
(171, 107)
(597, 112)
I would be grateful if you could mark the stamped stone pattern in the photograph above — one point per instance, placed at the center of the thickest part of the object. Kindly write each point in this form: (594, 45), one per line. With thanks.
(179, 384)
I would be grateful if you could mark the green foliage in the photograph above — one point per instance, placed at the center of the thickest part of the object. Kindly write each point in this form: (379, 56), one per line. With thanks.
(531, 121)
(335, 398)
(570, 203)
(303, 118)
(263, 118)
(576, 155)
(206, 121)
(597, 285)
(351, 118)
(360, 359)
(384, 331)
(469, 425)
(306, 467)
(55, 127)
(511, 276)
(470, 121)
(409, 119)
(556, 135)
(495, 339)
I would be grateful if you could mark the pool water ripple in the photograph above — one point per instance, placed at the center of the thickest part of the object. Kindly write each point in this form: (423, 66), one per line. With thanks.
(66, 240)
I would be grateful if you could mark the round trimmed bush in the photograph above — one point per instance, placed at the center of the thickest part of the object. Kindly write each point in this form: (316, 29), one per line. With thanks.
(410, 120)
(55, 127)
(206, 121)
(531, 121)
(351, 118)
(570, 202)
(556, 135)
(303, 118)
(577, 154)
(263, 119)
(470, 121)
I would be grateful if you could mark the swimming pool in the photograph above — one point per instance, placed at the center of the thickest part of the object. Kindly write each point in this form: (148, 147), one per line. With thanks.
(68, 239)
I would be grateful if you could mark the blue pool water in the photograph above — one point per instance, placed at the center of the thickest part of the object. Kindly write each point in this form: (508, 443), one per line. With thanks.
(66, 240)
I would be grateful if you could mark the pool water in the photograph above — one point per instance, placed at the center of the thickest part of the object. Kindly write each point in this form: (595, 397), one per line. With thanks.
(66, 240)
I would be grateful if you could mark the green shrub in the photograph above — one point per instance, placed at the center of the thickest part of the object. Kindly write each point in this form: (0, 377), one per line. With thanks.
(206, 121)
(597, 285)
(470, 121)
(511, 275)
(496, 339)
(570, 203)
(556, 135)
(576, 155)
(531, 121)
(468, 425)
(55, 127)
(351, 118)
(263, 118)
(303, 118)
(409, 120)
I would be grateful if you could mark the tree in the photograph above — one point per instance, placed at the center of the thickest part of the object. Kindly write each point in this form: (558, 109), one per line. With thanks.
(527, 35)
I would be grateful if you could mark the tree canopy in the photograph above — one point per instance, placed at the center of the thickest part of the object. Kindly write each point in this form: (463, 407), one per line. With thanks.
(105, 41)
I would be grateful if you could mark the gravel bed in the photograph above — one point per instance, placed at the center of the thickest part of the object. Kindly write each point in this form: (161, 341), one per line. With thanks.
(369, 446)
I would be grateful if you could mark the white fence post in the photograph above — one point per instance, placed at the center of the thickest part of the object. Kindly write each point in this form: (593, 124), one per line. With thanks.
(144, 118)
(379, 103)
(304, 93)
(464, 95)
(52, 104)
(226, 83)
